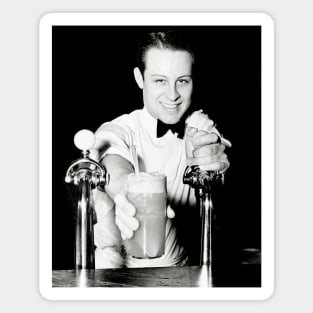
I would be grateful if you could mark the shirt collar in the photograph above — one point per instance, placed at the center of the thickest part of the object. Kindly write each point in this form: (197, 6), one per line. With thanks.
(149, 122)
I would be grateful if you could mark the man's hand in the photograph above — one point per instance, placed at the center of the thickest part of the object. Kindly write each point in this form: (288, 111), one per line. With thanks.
(206, 144)
(125, 215)
(208, 153)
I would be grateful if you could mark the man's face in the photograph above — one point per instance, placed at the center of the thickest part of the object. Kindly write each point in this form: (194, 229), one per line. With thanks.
(167, 84)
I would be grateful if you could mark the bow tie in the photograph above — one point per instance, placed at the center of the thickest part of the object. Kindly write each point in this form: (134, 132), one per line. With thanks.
(178, 128)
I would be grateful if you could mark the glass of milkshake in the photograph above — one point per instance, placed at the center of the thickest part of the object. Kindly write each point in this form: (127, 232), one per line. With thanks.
(147, 192)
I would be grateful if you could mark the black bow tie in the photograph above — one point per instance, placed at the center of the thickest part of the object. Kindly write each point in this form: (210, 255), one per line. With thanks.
(178, 128)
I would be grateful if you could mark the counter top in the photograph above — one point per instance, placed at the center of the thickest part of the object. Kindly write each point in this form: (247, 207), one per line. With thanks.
(243, 275)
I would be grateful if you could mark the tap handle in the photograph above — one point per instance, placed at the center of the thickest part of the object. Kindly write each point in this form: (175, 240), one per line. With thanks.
(85, 140)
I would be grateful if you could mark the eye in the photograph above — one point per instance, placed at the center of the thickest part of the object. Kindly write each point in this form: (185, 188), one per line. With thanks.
(183, 81)
(160, 81)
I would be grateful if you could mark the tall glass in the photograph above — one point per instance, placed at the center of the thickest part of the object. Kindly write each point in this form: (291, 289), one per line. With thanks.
(147, 192)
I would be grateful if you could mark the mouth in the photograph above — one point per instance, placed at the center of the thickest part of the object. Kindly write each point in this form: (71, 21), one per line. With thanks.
(170, 107)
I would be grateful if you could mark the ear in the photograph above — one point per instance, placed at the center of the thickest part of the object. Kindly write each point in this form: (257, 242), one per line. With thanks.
(138, 77)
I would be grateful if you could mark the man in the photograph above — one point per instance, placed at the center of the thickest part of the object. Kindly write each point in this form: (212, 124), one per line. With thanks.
(165, 76)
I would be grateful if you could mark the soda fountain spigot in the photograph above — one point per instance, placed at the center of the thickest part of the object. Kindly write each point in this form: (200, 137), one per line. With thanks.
(87, 174)
(202, 181)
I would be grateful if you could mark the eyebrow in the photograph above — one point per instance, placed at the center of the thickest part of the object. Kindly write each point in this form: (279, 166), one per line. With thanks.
(160, 75)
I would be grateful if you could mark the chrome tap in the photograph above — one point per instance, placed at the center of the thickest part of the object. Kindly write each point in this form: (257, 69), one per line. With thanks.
(202, 181)
(86, 174)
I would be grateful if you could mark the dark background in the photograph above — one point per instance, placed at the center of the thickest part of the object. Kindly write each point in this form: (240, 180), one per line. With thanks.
(92, 82)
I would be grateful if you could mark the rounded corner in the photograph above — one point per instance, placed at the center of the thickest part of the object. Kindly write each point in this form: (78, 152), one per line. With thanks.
(268, 18)
(45, 18)
(268, 294)
(43, 294)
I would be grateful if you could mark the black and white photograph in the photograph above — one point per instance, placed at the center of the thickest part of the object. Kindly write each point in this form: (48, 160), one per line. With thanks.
(157, 156)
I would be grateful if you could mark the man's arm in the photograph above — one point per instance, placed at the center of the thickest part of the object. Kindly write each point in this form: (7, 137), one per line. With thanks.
(119, 168)
(108, 230)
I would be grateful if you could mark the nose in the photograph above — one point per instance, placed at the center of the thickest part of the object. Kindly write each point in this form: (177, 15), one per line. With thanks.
(172, 93)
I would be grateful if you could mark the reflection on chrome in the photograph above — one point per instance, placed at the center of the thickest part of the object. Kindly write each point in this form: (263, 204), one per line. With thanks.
(82, 279)
(86, 174)
(205, 278)
(203, 181)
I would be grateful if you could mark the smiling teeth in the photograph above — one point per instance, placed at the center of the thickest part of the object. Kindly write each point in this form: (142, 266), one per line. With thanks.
(170, 106)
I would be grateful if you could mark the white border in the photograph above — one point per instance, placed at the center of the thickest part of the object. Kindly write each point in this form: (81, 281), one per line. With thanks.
(45, 156)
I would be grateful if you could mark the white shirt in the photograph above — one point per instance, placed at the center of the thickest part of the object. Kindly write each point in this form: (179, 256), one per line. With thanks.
(166, 155)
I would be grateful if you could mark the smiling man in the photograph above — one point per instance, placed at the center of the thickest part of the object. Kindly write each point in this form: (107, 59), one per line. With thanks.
(164, 74)
(166, 84)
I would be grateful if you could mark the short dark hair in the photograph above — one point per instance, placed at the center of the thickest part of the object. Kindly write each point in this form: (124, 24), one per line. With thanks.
(172, 40)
